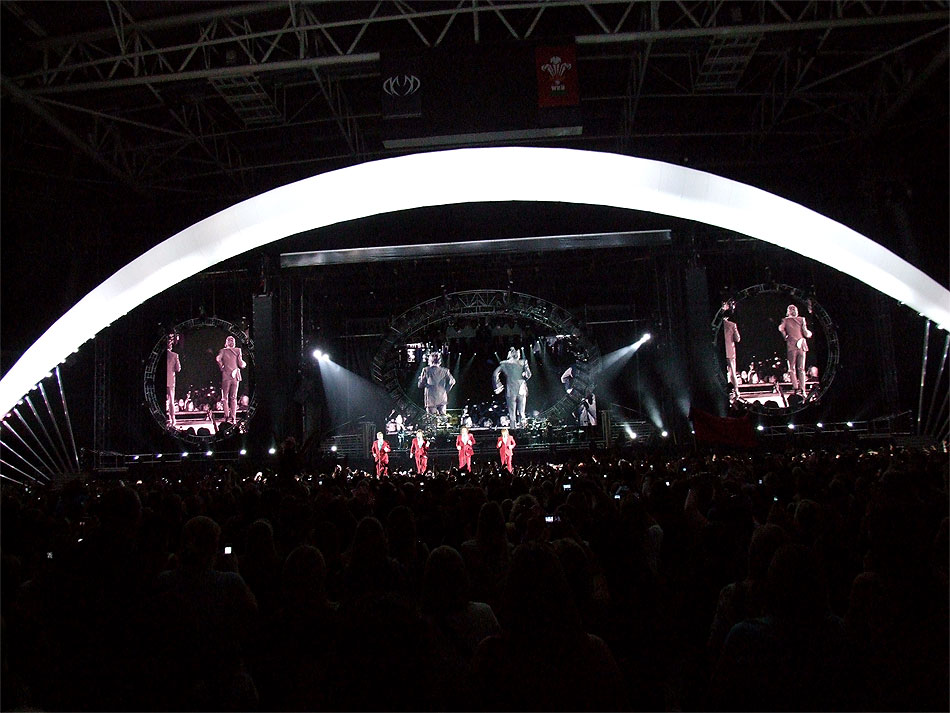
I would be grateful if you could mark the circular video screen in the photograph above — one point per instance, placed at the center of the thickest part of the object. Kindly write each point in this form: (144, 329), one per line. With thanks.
(199, 380)
(487, 359)
(776, 347)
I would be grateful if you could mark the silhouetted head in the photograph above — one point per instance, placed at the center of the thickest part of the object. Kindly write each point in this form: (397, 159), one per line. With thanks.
(304, 576)
(369, 542)
(445, 582)
(765, 541)
(795, 589)
(539, 606)
(199, 543)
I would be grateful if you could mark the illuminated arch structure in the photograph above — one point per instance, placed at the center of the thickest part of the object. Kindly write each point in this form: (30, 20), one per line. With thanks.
(471, 176)
(439, 311)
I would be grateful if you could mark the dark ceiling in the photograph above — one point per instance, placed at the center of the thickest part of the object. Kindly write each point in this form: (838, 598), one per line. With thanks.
(123, 122)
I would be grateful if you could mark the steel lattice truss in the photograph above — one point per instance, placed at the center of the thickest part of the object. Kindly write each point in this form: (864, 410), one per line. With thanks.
(199, 98)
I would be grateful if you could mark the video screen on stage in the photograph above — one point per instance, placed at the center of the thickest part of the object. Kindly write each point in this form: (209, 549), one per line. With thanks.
(202, 380)
(491, 378)
(775, 348)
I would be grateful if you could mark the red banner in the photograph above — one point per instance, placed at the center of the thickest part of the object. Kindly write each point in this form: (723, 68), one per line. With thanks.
(556, 68)
(727, 431)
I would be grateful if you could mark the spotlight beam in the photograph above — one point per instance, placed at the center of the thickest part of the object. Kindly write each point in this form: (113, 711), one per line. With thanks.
(53, 448)
(52, 467)
(29, 447)
(59, 433)
(18, 470)
(20, 456)
(69, 423)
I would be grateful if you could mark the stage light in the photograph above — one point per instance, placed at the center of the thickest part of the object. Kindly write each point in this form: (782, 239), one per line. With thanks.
(333, 448)
(209, 453)
(272, 450)
(184, 454)
(664, 434)
(647, 337)
(135, 457)
(791, 427)
(760, 427)
(820, 424)
(850, 425)
(243, 451)
(158, 455)
(317, 354)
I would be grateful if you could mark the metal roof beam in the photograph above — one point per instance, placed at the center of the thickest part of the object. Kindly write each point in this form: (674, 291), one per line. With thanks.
(765, 27)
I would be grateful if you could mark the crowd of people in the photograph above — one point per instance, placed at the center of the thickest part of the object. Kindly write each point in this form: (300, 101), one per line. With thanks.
(791, 580)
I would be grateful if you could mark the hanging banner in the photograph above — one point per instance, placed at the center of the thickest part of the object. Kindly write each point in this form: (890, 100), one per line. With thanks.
(556, 70)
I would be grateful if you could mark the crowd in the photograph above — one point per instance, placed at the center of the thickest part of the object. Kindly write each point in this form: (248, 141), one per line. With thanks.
(794, 580)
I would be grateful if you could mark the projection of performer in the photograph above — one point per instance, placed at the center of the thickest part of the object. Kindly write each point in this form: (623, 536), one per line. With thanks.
(587, 411)
(230, 361)
(381, 451)
(796, 332)
(420, 451)
(567, 378)
(437, 382)
(516, 373)
(730, 333)
(506, 446)
(172, 367)
(465, 445)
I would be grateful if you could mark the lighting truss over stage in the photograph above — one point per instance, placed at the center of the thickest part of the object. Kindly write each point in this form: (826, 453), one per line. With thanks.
(544, 243)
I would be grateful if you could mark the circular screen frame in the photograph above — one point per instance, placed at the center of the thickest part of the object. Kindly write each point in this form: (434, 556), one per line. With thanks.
(153, 365)
(807, 304)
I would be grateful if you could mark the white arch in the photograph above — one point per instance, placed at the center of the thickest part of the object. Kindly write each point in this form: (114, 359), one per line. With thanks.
(467, 176)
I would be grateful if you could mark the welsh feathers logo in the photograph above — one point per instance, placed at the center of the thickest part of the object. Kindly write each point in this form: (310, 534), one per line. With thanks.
(556, 69)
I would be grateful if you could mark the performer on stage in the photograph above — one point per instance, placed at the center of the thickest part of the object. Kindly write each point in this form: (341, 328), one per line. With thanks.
(730, 332)
(381, 455)
(795, 331)
(465, 444)
(437, 382)
(172, 367)
(506, 446)
(420, 451)
(516, 373)
(230, 362)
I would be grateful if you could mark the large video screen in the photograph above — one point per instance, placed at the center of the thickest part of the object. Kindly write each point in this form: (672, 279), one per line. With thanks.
(776, 349)
(488, 376)
(200, 380)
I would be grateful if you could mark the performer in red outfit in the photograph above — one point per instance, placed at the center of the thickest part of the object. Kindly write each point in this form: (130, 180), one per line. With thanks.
(506, 446)
(465, 444)
(420, 451)
(381, 455)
